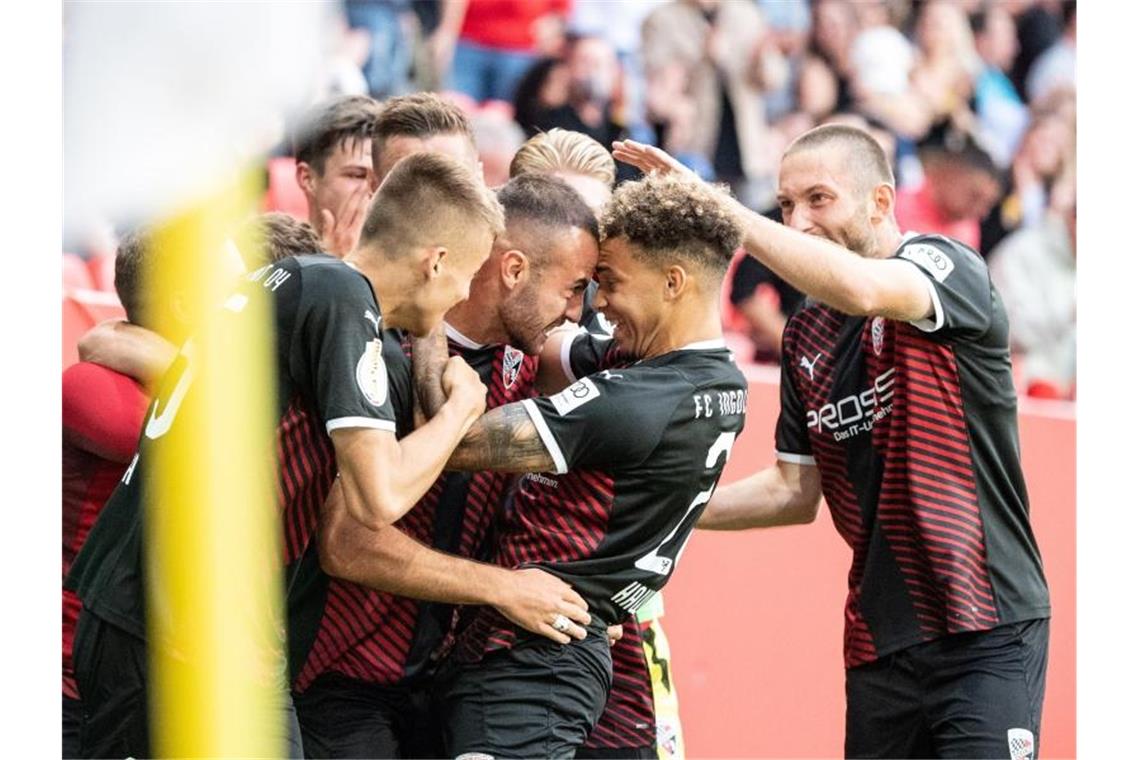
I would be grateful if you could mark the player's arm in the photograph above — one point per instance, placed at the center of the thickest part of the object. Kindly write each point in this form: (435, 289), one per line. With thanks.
(129, 349)
(504, 439)
(383, 477)
(386, 559)
(553, 371)
(784, 494)
(429, 356)
(817, 267)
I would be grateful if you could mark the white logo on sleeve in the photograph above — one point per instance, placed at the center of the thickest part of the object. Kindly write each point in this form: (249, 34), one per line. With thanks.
(373, 319)
(878, 329)
(581, 392)
(371, 374)
(1020, 744)
(929, 258)
(810, 366)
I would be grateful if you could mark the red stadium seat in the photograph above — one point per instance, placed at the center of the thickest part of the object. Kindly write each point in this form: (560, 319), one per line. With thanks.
(75, 272)
(283, 193)
(102, 268)
(82, 310)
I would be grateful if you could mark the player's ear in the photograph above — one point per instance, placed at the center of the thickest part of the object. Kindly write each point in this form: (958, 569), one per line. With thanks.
(513, 267)
(306, 177)
(883, 202)
(676, 280)
(433, 261)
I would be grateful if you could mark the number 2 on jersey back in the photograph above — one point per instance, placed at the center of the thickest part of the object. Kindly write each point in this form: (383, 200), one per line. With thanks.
(654, 562)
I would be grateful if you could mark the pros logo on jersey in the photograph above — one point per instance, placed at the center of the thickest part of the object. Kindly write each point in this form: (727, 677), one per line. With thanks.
(929, 258)
(371, 374)
(512, 363)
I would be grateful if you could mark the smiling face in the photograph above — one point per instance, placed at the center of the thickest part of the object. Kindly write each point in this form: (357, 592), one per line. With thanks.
(819, 195)
(550, 293)
(630, 295)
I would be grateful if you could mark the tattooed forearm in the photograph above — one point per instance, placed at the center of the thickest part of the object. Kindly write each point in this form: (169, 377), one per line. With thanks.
(429, 354)
(503, 439)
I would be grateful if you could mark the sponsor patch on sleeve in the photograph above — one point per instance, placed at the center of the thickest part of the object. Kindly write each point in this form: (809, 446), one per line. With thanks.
(371, 374)
(576, 395)
(929, 258)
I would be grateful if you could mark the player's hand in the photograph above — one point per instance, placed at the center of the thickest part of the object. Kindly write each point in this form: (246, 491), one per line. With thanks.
(340, 229)
(534, 599)
(462, 386)
(648, 159)
(614, 633)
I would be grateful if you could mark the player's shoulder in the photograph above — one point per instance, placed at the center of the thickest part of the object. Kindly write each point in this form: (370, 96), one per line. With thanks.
(940, 255)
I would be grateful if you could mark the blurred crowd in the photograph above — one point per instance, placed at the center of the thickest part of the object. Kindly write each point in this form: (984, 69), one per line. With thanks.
(974, 100)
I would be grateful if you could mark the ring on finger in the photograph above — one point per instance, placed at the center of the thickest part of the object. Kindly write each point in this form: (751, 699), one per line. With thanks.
(561, 623)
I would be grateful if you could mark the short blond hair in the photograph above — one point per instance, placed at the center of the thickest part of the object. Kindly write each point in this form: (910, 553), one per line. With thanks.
(424, 198)
(562, 150)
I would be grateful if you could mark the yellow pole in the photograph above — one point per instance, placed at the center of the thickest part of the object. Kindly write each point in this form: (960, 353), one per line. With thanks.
(212, 543)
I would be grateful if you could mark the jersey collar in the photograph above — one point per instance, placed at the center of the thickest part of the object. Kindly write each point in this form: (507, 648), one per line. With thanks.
(459, 337)
(704, 345)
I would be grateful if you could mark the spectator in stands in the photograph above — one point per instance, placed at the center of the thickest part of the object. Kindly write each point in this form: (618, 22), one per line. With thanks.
(833, 29)
(389, 24)
(488, 45)
(1045, 156)
(1057, 66)
(704, 63)
(591, 92)
(1002, 116)
(333, 148)
(497, 137)
(102, 415)
(1035, 270)
(786, 42)
(961, 185)
(1038, 28)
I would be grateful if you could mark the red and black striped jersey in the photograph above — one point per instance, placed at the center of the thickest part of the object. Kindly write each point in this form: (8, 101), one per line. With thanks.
(914, 429)
(330, 371)
(638, 451)
(629, 720)
(386, 639)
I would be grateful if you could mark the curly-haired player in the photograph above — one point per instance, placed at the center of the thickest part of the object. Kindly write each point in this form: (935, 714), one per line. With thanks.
(632, 453)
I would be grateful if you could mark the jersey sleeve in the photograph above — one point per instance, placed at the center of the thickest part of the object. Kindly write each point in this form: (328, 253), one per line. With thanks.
(103, 411)
(339, 339)
(793, 444)
(608, 419)
(587, 353)
(959, 286)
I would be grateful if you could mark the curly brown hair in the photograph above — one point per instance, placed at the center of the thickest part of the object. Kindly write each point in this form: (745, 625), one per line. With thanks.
(668, 215)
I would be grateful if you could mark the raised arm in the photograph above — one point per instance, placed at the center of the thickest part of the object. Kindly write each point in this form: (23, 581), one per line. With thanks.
(383, 477)
(813, 265)
(386, 559)
(784, 494)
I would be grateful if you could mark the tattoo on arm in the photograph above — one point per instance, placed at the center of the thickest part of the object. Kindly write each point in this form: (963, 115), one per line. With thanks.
(504, 439)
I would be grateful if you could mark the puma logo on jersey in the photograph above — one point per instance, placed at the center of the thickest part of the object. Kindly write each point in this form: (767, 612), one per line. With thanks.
(810, 366)
(610, 375)
(373, 319)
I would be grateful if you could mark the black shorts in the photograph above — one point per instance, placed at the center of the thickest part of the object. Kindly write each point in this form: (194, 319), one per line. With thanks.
(965, 695)
(342, 717)
(537, 699)
(111, 670)
(72, 719)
